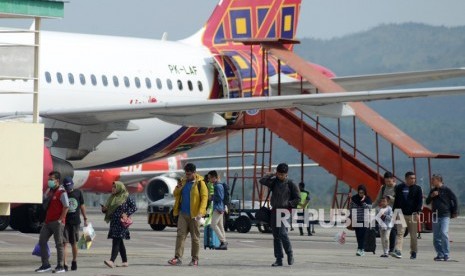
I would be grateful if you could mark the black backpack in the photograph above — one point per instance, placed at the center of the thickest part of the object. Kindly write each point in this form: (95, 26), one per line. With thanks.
(226, 198)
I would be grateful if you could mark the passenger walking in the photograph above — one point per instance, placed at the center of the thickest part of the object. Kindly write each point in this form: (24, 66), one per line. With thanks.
(191, 197)
(73, 221)
(385, 226)
(302, 206)
(284, 195)
(360, 206)
(388, 189)
(217, 222)
(119, 206)
(56, 204)
(409, 199)
(444, 207)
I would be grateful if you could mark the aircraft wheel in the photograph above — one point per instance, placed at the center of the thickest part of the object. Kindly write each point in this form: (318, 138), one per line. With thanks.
(4, 222)
(232, 226)
(27, 218)
(158, 227)
(243, 224)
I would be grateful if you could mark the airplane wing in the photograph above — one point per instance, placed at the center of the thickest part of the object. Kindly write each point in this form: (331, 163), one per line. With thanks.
(204, 113)
(129, 178)
(293, 86)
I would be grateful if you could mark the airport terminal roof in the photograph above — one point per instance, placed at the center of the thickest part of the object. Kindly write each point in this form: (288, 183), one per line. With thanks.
(31, 8)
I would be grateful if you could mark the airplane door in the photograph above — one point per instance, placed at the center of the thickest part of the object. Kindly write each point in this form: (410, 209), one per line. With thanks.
(228, 77)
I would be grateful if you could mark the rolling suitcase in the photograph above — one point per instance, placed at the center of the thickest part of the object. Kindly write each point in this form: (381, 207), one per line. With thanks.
(370, 240)
(210, 239)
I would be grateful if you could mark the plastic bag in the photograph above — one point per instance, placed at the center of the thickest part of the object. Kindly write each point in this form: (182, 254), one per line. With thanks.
(36, 250)
(340, 237)
(88, 232)
(83, 244)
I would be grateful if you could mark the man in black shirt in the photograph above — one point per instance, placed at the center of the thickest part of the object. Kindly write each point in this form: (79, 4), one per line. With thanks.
(285, 195)
(71, 230)
(444, 207)
(409, 199)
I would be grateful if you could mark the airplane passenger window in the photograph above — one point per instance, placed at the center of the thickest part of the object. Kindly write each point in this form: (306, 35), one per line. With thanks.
(148, 83)
(137, 82)
(82, 78)
(70, 78)
(93, 79)
(159, 84)
(104, 80)
(169, 84)
(199, 84)
(180, 84)
(189, 84)
(115, 81)
(126, 82)
(59, 77)
(48, 78)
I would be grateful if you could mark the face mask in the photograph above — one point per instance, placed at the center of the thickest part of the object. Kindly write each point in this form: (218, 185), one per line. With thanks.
(51, 184)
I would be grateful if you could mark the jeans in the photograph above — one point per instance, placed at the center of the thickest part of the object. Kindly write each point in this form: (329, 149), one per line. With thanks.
(441, 236)
(280, 239)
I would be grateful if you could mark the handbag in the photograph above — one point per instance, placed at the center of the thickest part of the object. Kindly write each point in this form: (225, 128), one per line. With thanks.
(264, 213)
(126, 222)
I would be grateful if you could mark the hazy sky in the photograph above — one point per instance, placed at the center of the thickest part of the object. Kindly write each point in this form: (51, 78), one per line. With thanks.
(180, 18)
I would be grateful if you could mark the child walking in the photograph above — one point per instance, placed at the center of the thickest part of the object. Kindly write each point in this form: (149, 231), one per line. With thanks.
(385, 213)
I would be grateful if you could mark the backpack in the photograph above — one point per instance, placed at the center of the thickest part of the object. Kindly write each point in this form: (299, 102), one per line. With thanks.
(226, 198)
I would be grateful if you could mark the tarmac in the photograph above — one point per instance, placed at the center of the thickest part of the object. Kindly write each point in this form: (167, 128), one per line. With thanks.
(247, 254)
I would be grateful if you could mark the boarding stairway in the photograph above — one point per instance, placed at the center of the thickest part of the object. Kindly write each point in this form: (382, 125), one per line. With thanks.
(329, 152)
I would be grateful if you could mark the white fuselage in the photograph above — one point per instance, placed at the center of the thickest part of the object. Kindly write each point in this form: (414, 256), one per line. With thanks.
(95, 58)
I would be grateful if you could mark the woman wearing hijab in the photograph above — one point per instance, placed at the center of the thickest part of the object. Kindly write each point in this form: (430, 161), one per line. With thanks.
(360, 205)
(118, 206)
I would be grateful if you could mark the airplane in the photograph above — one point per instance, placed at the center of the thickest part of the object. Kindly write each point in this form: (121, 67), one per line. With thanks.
(111, 102)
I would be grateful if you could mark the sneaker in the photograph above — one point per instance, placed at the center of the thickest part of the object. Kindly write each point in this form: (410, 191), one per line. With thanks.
(73, 265)
(65, 267)
(359, 252)
(396, 254)
(438, 259)
(194, 263)
(223, 246)
(384, 255)
(109, 263)
(125, 264)
(59, 269)
(362, 252)
(310, 234)
(278, 262)
(290, 259)
(175, 261)
(446, 258)
(413, 255)
(44, 268)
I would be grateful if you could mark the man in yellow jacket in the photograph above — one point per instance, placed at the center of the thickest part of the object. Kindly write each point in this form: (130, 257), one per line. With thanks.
(191, 197)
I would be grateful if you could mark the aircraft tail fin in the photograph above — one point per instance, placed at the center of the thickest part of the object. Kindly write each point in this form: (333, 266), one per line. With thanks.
(254, 20)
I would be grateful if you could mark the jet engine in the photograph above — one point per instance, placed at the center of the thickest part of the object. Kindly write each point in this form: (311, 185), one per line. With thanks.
(158, 187)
